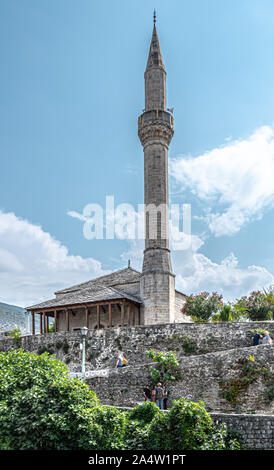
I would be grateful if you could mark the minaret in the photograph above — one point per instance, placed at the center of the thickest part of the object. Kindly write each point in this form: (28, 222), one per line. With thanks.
(155, 130)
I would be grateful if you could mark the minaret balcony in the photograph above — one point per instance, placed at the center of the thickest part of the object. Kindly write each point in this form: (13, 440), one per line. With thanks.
(155, 124)
(156, 116)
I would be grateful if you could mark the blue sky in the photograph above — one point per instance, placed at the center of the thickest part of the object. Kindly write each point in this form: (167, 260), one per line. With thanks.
(71, 90)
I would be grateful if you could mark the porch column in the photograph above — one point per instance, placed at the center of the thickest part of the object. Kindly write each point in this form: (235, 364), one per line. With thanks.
(98, 316)
(33, 323)
(41, 323)
(47, 322)
(55, 321)
(128, 314)
(87, 318)
(109, 315)
(139, 314)
(44, 321)
(123, 313)
(67, 319)
(133, 314)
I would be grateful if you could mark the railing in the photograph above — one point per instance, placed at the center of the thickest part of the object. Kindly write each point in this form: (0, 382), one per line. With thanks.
(156, 115)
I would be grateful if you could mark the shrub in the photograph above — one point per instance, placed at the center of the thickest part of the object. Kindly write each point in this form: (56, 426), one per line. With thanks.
(144, 413)
(189, 347)
(256, 307)
(168, 365)
(202, 306)
(16, 335)
(188, 426)
(158, 433)
(110, 428)
(139, 419)
(41, 407)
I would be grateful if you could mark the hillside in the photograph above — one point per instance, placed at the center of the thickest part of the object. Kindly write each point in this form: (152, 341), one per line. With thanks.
(12, 316)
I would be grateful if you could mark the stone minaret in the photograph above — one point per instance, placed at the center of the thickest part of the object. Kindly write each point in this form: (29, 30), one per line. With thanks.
(155, 130)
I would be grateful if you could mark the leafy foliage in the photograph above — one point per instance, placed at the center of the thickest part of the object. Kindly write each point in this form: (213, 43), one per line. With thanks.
(258, 306)
(144, 412)
(202, 306)
(16, 335)
(249, 370)
(41, 407)
(187, 426)
(225, 314)
(168, 363)
(189, 347)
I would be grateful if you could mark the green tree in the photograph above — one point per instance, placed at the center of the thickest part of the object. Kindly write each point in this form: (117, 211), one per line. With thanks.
(202, 307)
(258, 306)
(41, 407)
(188, 426)
(227, 314)
(168, 365)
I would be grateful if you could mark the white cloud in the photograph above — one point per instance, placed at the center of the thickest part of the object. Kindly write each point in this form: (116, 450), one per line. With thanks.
(235, 180)
(33, 265)
(195, 273)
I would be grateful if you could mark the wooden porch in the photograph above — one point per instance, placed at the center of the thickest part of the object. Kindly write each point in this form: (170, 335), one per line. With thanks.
(130, 315)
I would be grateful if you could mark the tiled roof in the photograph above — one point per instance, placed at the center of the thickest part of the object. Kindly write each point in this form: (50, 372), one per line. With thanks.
(95, 293)
(123, 276)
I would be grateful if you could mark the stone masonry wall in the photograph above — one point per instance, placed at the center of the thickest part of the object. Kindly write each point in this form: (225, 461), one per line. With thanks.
(209, 378)
(256, 431)
(184, 339)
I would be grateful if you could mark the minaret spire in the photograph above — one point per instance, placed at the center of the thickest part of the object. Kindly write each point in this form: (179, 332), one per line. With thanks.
(155, 58)
(155, 74)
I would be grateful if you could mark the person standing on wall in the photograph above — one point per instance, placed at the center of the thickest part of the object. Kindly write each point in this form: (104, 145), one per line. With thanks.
(266, 338)
(159, 396)
(121, 360)
(147, 393)
(166, 396)
(256, 338)
(153, 394)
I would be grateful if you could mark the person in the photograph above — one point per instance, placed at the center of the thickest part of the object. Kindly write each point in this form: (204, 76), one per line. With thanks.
(256, 338)
(147, 393)
(166, 396)
(153, 394)
(266, 338)
(121, 360)
(159, 396)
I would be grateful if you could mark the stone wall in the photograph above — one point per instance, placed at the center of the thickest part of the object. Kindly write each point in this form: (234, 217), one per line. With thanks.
(212, 360)
(184, 339)
(256, 431)
(211, 378)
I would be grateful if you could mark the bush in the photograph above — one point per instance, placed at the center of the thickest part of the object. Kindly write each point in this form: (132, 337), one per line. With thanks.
(16, 335)
(144, 413)
(188, 426)
(110, 428)
(258, 306)
(168, 363)
(202, 306)
(41, 407)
